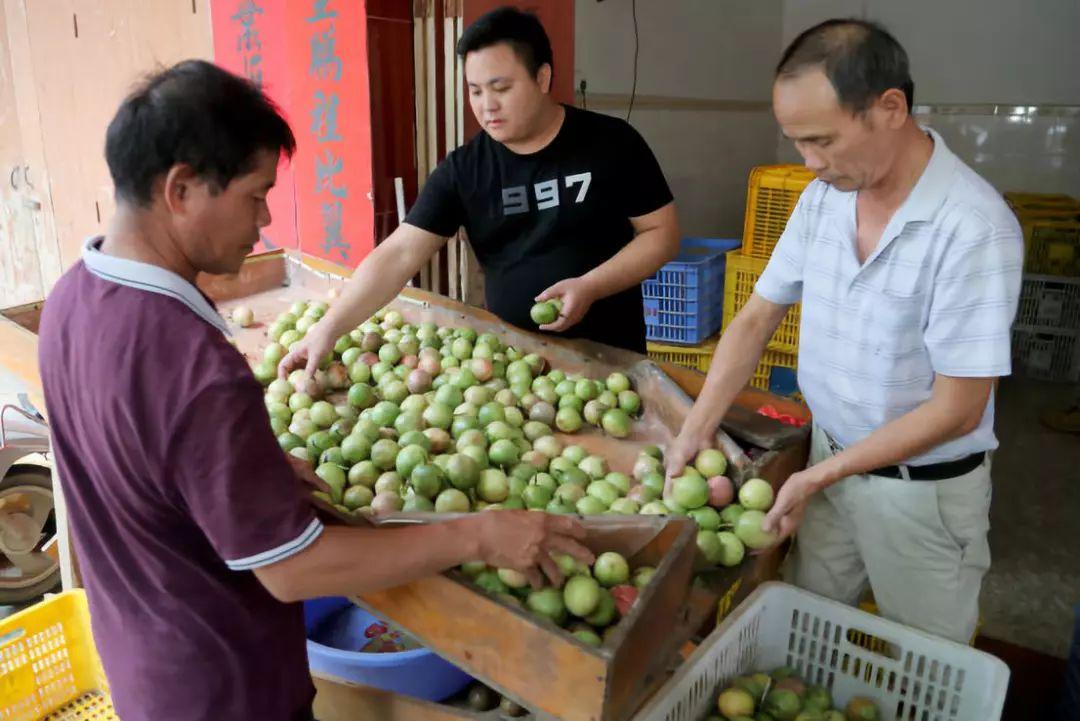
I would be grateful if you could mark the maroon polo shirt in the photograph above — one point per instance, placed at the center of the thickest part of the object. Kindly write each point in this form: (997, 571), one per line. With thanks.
(175, 488)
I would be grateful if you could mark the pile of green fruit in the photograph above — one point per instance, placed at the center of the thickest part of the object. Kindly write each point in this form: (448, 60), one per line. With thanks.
(590, 601)
(404, 417)
(782, 696)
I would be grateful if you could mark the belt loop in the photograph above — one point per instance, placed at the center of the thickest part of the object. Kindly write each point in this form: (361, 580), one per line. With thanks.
(904, 472)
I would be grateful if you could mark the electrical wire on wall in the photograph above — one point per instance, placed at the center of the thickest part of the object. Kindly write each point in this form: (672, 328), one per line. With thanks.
(633, 88)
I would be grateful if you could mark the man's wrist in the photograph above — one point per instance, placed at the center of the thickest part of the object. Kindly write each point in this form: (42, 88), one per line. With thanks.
(592, 285)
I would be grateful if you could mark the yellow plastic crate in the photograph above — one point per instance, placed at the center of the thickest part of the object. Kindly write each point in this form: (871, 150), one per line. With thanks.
(765, 378)
(49, 667)
(700, 357)
(1015, 199)
(740, 277)
(771, 195)
(697, 357)
(876, 644)
(1051, 247)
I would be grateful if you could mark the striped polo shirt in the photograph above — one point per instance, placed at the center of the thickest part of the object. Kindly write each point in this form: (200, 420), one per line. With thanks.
(937, 296)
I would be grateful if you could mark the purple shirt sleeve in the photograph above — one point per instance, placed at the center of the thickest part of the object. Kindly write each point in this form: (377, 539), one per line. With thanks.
(235, 481)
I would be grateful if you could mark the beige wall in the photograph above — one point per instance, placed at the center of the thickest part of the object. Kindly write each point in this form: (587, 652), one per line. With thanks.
(704, 73)
(71, 63)
(973, 62)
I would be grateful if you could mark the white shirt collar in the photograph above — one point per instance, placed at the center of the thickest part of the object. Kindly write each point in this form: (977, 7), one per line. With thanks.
(150, 278)
(933, 185)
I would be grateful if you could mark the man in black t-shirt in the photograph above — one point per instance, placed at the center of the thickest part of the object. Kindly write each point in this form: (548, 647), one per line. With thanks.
(557, 202)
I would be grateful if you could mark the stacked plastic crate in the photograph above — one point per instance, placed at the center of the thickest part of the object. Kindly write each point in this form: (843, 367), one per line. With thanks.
(772, 192)
(1046, 333)
(684, 303)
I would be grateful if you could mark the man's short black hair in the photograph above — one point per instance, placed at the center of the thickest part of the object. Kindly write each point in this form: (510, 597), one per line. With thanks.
(860, 58)
(194, 113)
(520, 30)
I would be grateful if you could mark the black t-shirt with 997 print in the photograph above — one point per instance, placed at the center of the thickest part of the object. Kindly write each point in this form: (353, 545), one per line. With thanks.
(536, 219)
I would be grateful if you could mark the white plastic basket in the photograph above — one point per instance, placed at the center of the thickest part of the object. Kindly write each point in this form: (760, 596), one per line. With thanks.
(912, 675)
(1049, 303)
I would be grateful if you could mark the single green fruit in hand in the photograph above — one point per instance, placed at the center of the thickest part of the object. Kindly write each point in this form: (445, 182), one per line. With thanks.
(710, 462)
(749, 530)
(543, 313)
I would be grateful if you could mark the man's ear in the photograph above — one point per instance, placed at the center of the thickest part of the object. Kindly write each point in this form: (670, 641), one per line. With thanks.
(543, 77)
(177, 187)
(893, 105)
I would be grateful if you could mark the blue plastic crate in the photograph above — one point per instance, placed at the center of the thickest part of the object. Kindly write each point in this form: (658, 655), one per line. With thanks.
(684, 301)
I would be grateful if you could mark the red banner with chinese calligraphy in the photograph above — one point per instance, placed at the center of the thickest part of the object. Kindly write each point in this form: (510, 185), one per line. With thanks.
(328, 76)
(250, 40)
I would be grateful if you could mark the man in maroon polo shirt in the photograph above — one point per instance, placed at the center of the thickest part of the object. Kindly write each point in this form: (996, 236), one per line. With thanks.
(193, 531)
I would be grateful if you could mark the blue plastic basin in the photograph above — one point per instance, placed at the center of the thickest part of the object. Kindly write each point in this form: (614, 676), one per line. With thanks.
(335, 628)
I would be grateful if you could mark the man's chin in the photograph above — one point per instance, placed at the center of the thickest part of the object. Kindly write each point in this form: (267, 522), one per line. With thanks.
(844, 185)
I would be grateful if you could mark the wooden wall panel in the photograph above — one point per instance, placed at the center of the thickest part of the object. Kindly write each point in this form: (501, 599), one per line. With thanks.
(20, 267)
(86, 56)
(29, 254)
(393, 110)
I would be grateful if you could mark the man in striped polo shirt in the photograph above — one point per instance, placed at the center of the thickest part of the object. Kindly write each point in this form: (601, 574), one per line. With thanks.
(907, 265)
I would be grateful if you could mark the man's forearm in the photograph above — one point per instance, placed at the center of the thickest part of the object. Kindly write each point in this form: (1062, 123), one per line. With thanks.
(734, 359)
(377, 280)
(927, 426)
(354, 561)
(631, 265)
(656, 243)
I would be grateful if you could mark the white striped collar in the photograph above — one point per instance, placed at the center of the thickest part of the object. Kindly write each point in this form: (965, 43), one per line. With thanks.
(150, 278)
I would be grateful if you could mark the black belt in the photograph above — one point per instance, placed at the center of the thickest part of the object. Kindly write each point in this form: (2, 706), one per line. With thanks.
(929, 472)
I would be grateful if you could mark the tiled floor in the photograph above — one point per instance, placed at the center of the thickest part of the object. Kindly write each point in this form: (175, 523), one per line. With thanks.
(1034, 579)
